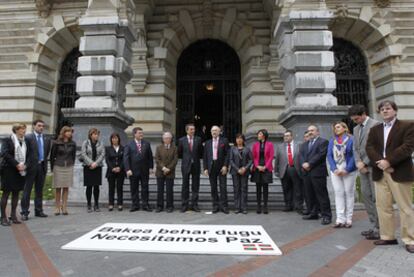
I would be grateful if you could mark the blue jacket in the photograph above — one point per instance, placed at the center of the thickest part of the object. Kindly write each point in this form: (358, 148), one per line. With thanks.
(349, 155)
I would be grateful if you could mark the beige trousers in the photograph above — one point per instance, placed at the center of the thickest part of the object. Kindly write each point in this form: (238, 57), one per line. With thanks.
(386, 190)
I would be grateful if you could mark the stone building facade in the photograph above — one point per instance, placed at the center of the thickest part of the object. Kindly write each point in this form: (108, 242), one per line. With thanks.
(291, 62)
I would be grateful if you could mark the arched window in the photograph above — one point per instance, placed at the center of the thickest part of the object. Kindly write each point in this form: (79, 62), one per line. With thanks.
(352, 83)
(67, 95)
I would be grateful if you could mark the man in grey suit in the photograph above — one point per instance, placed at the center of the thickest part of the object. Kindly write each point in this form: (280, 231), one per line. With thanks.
(358, 114)
(287, 168)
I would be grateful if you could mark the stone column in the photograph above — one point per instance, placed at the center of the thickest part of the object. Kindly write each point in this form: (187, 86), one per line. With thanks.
(304, 43)
(105, 70)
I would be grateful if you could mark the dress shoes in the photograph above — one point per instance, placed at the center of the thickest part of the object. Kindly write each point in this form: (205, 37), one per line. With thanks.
(326, 221)
(366, 233)
(196, 209)
(40, 214)
(373, 236)
(184, 209)
(158, 210)
(310, 217)
(5, 222)
(265, 210)
(225, 210)
(259, 210)
(14, 220)
(25, 217)
(386, 242)
(409, 248)
(134, 210)
(147, 208)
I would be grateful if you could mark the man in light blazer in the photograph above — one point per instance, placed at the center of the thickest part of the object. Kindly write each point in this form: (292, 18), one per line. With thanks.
(190, 150)
(287, 168)
(389, 148)
(216, 163)
(36, 172)
(313, 156)
(138, 162)
(358, 114)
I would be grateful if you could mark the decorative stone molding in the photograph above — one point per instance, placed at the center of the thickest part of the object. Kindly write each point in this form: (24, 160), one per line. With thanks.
(341, 13)
(44, 7)
(382, 3)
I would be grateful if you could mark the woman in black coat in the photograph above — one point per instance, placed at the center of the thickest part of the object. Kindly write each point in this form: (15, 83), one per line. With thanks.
(15, 153)
(115, 172)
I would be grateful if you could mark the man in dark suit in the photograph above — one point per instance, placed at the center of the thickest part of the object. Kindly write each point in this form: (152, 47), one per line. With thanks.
(389, 148)
(287, 168)
(313, 156)
(216, 162)
(36, 172)
(190, 149)
(138, 162)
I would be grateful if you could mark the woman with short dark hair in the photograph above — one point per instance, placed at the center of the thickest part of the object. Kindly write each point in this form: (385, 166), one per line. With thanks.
(92, 157)
(263, 154)
(115, 172)
(15, 152)
(240, 161)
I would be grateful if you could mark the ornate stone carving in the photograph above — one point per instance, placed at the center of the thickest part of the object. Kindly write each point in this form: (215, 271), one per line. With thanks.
(208, 21)
(341, 12)
(382, 3)
(44, 7)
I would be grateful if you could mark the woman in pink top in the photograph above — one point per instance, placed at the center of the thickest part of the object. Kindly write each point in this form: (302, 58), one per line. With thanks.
(263, 154)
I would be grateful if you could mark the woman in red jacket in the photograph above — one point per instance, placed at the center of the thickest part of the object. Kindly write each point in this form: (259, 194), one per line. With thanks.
(263, 154)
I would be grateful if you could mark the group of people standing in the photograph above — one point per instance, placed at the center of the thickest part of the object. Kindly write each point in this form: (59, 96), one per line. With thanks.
(379, 152)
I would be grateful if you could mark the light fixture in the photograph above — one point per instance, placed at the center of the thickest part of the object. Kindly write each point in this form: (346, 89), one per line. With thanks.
(210, 87)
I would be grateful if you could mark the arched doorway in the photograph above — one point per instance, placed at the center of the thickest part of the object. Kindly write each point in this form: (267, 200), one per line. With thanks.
(352, 82)
(67, 95)
(208, 88)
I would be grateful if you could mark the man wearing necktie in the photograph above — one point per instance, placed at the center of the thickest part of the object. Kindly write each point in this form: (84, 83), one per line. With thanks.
(190, 149)
(313, 158)
(287, 168)
(216, 162)
(37, 170)
(358, 114)
(389, 148)
(138, 161)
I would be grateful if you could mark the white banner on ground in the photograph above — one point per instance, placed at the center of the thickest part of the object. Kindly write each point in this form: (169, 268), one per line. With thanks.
(178, 238)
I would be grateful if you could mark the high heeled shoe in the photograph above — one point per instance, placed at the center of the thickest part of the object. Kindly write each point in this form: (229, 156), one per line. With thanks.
(57, 211)
(5, 222)
(64, 210)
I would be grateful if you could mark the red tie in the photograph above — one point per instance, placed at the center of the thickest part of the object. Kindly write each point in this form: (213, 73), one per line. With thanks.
(190, 144)
(290, 156)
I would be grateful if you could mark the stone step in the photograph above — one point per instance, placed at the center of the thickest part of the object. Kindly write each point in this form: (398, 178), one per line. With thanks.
(275, 192)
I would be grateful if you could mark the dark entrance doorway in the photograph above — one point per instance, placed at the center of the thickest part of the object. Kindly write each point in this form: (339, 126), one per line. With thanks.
(352, 83)
(208, 88)
(67, 94)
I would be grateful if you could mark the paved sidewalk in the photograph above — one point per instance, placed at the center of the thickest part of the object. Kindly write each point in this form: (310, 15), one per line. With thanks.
(308, 248)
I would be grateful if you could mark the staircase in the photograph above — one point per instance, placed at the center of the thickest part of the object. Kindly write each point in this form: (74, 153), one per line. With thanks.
(275, 192)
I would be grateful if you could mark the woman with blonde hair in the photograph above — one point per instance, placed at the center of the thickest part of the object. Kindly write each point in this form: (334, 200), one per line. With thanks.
(92, 157)
(15, 153)
(343, 173)
(62, 160)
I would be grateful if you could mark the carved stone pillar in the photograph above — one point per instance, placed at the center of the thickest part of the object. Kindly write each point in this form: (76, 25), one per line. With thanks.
(304, 43)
